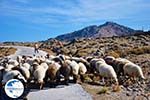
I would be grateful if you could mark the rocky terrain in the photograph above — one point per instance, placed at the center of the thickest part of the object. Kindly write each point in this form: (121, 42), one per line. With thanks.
(134, 48)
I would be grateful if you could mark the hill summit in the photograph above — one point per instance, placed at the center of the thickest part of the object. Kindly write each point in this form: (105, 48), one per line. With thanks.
(108, 29)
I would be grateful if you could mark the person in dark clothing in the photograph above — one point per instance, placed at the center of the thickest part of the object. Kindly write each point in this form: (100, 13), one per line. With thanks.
(36, 48)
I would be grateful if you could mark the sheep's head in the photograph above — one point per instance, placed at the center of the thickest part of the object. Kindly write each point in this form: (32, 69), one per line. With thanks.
(35, 64)
(109, 59)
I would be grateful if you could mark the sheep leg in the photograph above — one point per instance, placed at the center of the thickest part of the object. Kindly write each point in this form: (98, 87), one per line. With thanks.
(82, 78)
(46, 78)
(67, 80)
(103, 80)
(41, 86)
(75, 78)
(108, 81)
(58, 77)
(111, 80)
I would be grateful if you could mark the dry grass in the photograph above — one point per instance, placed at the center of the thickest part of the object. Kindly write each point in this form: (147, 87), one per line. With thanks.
(116, 88)
(139, 50)
(4, 51)
(113, 53)
(104, 90)
(48, 51)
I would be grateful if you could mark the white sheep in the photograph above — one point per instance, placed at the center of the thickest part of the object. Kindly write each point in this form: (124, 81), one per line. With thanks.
(133, 70)
(117, 64)
(82, 68)
(26, 65)
(93, 63)
(1, 67)
(13, 62)
(44, 65)
(11, 75)
(9, 66)
(74, 65)
(39, 75)
(123, 60)
(48, 61)
(25, 72)
(29, 60)
(106, 70)
(75, 69)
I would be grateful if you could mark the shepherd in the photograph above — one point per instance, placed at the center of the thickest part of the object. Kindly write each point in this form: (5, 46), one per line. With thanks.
(36, 48)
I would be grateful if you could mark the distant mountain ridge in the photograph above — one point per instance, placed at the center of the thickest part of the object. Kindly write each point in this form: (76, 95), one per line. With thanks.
(108, 29)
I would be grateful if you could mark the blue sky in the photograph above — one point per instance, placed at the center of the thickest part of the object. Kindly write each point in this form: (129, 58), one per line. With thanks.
(33, 20)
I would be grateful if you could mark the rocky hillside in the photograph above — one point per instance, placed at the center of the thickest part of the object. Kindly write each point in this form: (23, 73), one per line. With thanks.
(135, 48)
(108, 29)
(115, 46)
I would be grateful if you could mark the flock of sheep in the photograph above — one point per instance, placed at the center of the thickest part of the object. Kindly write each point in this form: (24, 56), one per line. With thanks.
(40, 70)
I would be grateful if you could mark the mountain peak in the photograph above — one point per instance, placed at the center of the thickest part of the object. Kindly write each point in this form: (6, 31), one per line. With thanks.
(107, 29)
(109, 23)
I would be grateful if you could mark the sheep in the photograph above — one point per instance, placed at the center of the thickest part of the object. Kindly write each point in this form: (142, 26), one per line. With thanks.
(24, 71)
(66, 71)
(42, 59)
(19, 59)
(58, 59)
(117, 64)
(133, 70)
(39, 75)
(82, 68)
(52, 71)
(106, 70)
(79, 60)
(75, 69)
(26, 65)
(86, 63)
(29, 60)
(9, 66)
(44, 65)
(13, 62)
(50, 57)
(35, 66)
(48, 61)
(93, 64)
(1, 73)
(109, 59)
(11, 75)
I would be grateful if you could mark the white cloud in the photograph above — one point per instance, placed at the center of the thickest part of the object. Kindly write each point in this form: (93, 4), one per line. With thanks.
(69, 11)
